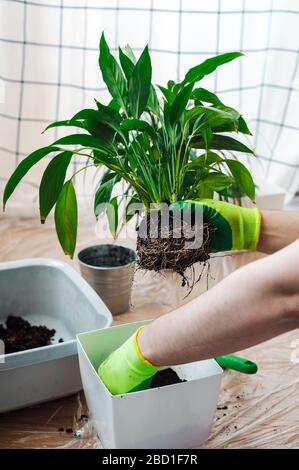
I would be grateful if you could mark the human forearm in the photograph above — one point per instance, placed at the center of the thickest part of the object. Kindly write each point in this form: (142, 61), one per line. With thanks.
(278, 229)
(251, 305)
(255, 303)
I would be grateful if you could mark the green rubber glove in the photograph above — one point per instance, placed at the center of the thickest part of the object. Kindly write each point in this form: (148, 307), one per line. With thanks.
(126, 368)
(236, 228)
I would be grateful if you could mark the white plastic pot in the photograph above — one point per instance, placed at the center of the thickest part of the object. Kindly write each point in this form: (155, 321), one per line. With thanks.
(46, 292)
(175, 416)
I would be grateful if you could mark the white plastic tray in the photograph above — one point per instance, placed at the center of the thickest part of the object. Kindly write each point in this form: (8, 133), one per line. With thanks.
(51, 293)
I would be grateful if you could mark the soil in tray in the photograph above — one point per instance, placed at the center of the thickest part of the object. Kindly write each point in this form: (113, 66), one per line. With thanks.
(165, 377)
(107, 256)
(18, 335)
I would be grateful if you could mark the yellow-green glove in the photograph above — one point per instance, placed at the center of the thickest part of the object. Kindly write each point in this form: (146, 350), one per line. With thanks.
(126, 368)
(235, 227)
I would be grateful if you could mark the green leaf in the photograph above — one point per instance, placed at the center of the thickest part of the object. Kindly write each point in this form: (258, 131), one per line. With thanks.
(140, 84)
(102, 123)
(129, 210)
(207, 96)
(207, 136)
(112, 215)
(179, 104)
(113, 105)
(97, 123)
(153, 102)
(216, 116)
(23, 168)
(166, 123)
(205, 159)
(233, 121)
(242, 127)
(221, 142)
(85, 140)
(104, 115)
(217, 181)
(102, 158)
(208, 66)
(212, 117)
(103, 194)
(112, 74)
(205, 192)
(242, 177)
(107, 176)
(66, 123)
(52, 183)
(138, 125)
(66, 218)
(170, 85)
(167, 94)
(126, 64)
(130, 53)
(233, 126)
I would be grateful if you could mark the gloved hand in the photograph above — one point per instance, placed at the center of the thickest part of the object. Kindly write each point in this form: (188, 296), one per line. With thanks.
(235, 227)
(126, 368)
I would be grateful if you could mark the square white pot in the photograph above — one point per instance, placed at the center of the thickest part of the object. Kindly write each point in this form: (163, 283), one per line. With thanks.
(175, 416)
(46, 292)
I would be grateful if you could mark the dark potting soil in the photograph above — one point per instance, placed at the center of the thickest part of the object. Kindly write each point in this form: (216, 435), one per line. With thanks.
(18, 335)
(165, 377)
(107, 256)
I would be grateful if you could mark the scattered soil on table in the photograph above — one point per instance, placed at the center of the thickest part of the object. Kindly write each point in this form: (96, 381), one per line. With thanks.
(107, 256)
(165, 377)
(18, 335)
(162, 245)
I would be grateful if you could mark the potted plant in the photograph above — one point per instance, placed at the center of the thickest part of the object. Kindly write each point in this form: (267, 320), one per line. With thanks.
(167, 417)
(165, 143)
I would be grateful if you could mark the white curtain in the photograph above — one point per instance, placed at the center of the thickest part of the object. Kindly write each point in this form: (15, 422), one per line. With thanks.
(49, 71)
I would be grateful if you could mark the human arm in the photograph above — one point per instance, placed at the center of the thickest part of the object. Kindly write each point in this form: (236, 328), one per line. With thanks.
(246, 308)
(253, 304)
(278, 229)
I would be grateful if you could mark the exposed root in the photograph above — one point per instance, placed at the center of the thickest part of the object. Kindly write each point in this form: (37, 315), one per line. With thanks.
(171, 247)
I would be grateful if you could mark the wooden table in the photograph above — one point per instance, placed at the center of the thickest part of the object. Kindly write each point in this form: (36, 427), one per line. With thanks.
(260, 411)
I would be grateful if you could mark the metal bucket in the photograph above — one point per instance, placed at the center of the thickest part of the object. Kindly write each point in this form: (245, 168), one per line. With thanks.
(109, 269)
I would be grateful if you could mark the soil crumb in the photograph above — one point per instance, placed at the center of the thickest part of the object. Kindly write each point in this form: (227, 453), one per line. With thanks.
(18, 335)
(165, 377)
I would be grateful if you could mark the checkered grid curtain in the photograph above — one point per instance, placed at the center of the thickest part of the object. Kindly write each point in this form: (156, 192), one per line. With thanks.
(49, 71)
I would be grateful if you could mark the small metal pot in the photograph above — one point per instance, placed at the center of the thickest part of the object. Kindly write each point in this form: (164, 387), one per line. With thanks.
(109, 269)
